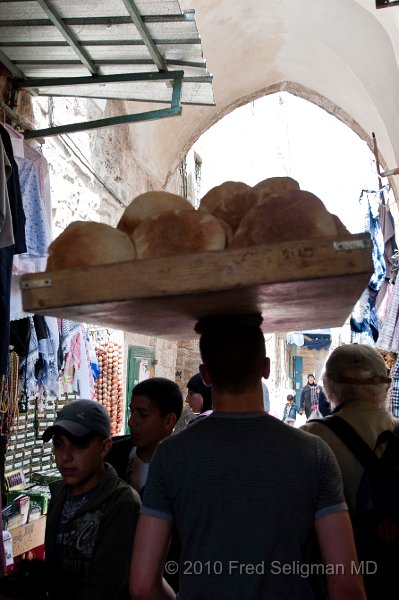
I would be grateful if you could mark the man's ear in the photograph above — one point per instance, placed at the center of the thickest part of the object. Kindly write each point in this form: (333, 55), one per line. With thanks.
(170, 421)
(266, 368)
(107, 443)
(205, 375)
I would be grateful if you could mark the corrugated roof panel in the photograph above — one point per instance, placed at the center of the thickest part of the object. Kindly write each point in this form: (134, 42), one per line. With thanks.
(102, 55)
(162, 7)
(19, 11)
(59, 54)
(157, 91)
(112, 8)
(126, 32)
(28, 34)
(101, 38)
(74, 8)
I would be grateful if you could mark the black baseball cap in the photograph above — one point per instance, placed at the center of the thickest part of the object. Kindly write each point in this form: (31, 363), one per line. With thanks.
(78, 418)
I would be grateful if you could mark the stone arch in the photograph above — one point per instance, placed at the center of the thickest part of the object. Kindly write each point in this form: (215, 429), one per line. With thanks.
(291, 87)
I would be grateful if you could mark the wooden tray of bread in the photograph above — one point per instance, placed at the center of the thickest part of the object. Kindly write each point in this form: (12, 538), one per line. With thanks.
(296, 285)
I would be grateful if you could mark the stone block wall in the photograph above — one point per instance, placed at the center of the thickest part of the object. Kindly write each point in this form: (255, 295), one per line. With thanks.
(188, 360)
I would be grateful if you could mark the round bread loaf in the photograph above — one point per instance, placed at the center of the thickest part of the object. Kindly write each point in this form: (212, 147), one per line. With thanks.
(276, 185)
(178, 232)
(273, 185)
(150, 204)
(228, 202)
(294, 215)
(87, 243)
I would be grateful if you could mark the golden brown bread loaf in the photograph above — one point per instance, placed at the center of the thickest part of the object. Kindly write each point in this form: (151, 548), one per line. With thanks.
(276, 185)
(87, 243)
(178, 232)
(228, 202)
(273, 185)
(150, 204)
(293, 215)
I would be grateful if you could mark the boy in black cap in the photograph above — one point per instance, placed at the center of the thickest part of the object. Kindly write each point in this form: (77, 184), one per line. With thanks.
(92, 514)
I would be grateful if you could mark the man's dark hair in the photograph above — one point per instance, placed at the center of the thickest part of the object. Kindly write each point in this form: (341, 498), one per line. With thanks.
(233, 351)
(164, 393)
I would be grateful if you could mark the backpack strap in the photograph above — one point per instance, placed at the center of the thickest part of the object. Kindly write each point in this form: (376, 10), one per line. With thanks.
(352, 440)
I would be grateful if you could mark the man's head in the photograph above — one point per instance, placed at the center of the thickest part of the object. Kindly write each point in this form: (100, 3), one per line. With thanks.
(199, 396)
(233, 352)
(155, 408)
(356, 372)
(311, 379)
(80, 418)
(82, 438)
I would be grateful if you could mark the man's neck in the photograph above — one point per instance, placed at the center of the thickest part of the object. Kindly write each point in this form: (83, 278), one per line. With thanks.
(145, 454)
(249, 401)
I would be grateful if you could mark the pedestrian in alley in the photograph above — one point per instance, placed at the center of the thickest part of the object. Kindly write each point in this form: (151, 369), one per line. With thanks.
(309, 395)
(290, 411)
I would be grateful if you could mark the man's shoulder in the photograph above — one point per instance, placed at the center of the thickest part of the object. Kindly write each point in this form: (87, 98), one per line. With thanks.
(119, 453)
(126, 492)
(120, 492)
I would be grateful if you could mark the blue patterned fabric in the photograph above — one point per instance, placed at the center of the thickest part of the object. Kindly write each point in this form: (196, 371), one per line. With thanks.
(394, 392)
(36, 229)
(364, 316)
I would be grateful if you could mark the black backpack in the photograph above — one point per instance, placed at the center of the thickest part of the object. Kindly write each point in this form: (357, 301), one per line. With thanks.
(376, 517)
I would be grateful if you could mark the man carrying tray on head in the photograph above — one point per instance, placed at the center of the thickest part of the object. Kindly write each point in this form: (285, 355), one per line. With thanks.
(222, 484)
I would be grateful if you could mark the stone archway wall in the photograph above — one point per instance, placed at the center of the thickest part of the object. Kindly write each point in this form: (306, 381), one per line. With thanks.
(302, 92)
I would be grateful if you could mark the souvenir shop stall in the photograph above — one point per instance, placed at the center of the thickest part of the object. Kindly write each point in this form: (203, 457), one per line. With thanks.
(44, 361)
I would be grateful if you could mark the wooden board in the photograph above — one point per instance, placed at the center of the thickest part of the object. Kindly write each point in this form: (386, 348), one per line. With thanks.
(297, 285)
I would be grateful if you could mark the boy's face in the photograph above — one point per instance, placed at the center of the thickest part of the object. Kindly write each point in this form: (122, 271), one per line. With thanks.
(147, 426)
(80, 464)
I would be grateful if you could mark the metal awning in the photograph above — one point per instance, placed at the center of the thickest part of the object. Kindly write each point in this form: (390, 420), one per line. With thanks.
(142, 50)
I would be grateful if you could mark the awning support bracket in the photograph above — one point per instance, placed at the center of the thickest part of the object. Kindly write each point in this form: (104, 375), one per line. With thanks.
(175, 105)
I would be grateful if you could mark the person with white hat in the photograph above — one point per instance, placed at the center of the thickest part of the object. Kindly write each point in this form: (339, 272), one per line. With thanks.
(356, 384)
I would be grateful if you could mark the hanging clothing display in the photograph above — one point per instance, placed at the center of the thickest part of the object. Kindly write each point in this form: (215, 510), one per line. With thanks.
(14, 195)
(17, 246)
(389, 335)
(394, 391)
(364, 318)
(6, 229)
(390, 246)
(36, 230)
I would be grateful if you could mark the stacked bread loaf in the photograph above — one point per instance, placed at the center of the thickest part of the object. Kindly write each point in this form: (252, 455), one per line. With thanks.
(233, 214)
(274, 210)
